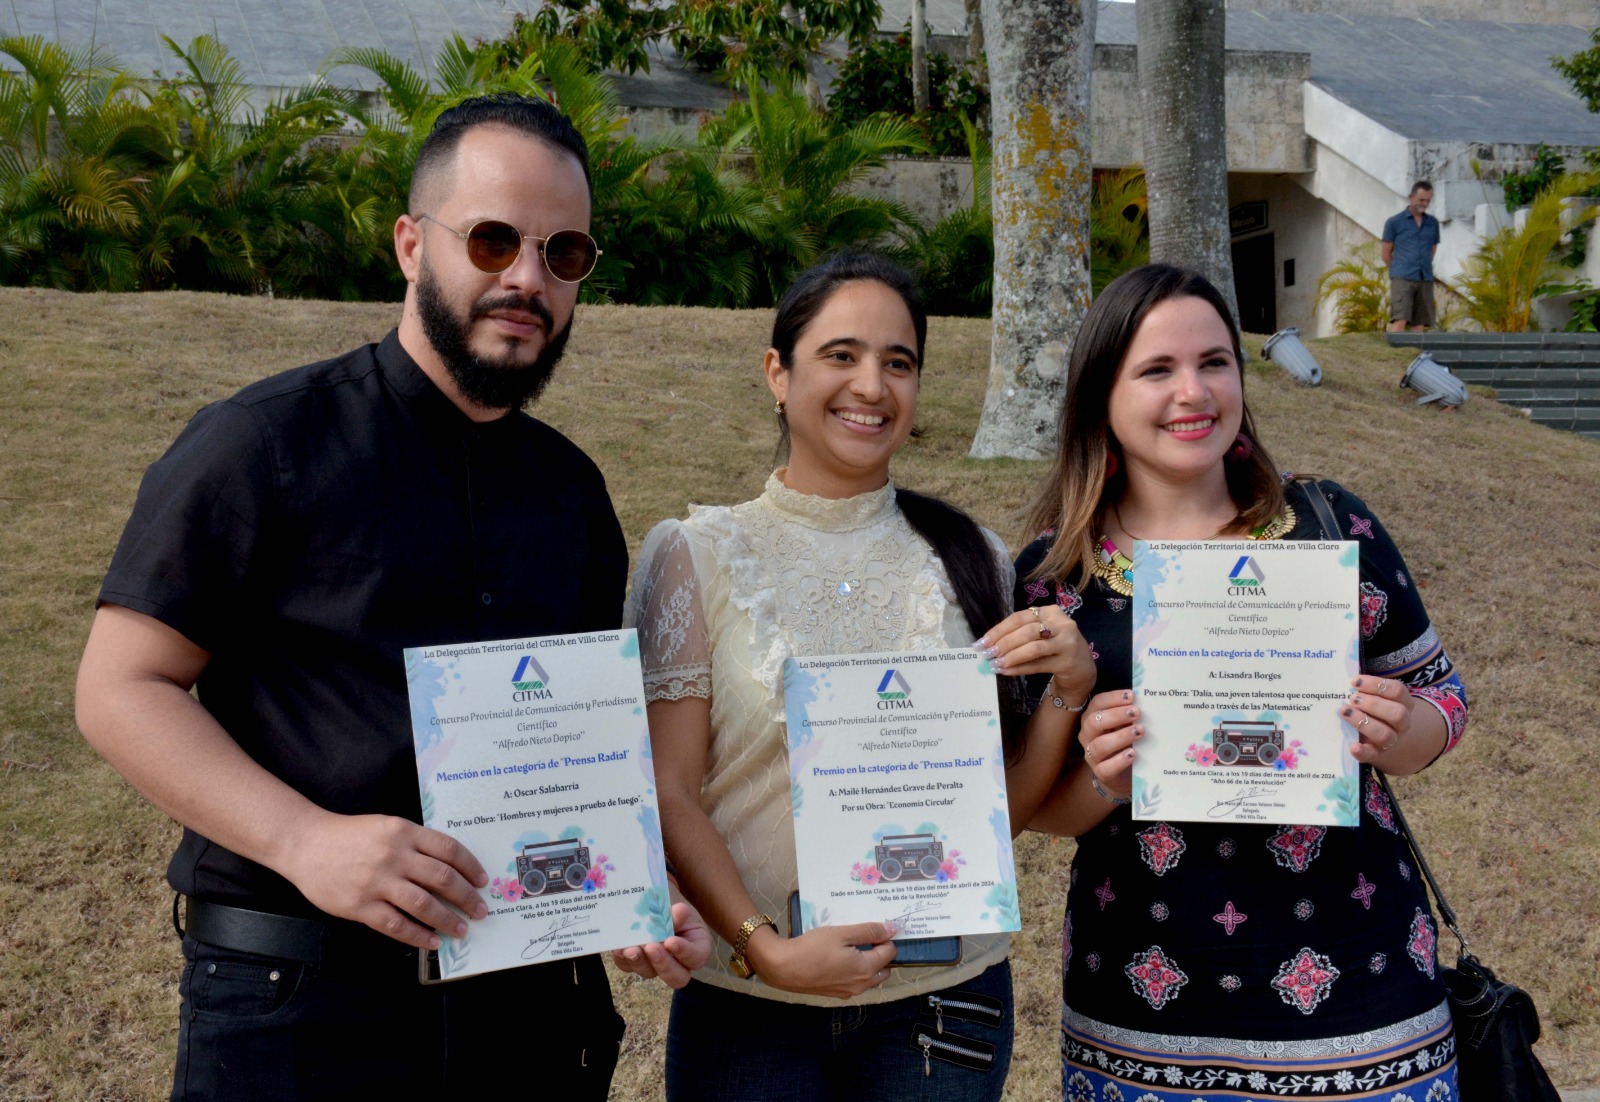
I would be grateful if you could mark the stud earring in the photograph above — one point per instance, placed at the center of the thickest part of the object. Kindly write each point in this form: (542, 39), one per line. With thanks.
(777, 407)
(1111, 464)
(1242, 448)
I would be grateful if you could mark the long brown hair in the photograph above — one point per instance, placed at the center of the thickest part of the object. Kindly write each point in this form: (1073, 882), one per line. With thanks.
(1079, 491)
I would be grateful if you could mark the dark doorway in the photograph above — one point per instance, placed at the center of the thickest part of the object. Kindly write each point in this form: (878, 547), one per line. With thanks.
(1255, 282)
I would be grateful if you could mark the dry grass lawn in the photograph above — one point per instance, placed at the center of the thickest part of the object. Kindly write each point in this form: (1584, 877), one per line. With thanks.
(1496, 516)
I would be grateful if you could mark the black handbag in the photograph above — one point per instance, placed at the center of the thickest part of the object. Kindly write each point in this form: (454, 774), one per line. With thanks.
(1496, 1023)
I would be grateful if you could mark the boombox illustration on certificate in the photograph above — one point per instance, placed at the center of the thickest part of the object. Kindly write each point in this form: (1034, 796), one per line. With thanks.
(535, 754)
(899, 792)
(1241, 654)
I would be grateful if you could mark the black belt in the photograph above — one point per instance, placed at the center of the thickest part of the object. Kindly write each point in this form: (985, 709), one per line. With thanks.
(244, 931)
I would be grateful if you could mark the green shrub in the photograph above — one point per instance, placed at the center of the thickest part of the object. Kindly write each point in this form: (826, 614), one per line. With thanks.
(954, 259)
(1522, 187)
(1359, 284)
(1119, 225)
(876, 80)
(1499, 283)
(1584, 314)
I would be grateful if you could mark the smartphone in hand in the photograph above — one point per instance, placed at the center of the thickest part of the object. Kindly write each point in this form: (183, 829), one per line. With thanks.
(910, 952)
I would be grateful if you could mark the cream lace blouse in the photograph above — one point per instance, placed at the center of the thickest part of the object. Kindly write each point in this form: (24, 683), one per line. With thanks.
(722, 598)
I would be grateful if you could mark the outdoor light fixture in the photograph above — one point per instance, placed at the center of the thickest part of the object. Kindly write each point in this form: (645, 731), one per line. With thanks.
(1434, 381)
(1284, 349)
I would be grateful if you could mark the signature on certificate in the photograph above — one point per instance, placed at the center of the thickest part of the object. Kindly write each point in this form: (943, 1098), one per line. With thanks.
(536, 946)
(900, 920)
(1226, 807)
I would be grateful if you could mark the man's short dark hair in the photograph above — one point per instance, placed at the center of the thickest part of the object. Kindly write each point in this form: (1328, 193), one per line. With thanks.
(537, 118)
(1420, 185)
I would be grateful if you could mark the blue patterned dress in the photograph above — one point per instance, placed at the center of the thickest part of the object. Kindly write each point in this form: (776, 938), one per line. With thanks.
(1207, 961)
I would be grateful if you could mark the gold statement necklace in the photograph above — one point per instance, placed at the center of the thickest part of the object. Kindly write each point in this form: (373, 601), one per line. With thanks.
(1115, 569)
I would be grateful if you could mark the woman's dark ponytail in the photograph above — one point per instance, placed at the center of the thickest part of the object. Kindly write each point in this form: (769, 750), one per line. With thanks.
(970, 565)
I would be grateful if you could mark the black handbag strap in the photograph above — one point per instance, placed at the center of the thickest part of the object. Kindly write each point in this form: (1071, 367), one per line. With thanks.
(1330, 531)
(1320, 506)
(1445, 911)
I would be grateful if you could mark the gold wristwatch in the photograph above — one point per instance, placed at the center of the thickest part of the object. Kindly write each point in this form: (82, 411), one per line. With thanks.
(737, 962)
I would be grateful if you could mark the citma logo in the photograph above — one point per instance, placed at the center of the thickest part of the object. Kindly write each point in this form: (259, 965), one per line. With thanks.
(899, 692)
(1246, 566)
(894, 691)
(1246, 578)
(522, 682)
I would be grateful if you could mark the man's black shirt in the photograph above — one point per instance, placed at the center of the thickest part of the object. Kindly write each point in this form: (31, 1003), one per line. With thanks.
(308, 529)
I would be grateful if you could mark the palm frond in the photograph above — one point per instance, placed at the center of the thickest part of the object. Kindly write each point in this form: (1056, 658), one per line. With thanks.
(1499, 283)
(461, 68)
(405, 90)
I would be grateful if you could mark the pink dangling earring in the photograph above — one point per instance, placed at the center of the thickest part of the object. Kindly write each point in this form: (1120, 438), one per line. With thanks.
(1111, 464)
(1241, 449)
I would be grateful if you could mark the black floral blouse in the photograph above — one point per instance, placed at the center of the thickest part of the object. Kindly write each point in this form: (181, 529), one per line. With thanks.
(1257, 932)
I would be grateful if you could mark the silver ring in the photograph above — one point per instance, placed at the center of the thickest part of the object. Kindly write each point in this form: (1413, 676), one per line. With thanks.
(1364, 721)
(1097, 716)
(1037, 618)
(1381, 686)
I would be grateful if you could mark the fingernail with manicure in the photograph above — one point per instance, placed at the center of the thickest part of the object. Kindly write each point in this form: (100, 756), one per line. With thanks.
(891, 927)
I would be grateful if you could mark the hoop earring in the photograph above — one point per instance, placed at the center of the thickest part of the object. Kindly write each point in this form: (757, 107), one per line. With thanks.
(1242, 448)
(777, 407)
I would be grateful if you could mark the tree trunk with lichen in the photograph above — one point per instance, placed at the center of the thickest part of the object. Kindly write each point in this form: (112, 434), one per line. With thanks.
(1040, 56)
(975, 37)
(1183, 113)
(919, 55)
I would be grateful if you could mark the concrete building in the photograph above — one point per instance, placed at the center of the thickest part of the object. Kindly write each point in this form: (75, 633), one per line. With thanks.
(1332, 117)
(1334, 108)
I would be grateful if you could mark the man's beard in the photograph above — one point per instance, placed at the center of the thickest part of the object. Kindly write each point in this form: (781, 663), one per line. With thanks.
(487, 382)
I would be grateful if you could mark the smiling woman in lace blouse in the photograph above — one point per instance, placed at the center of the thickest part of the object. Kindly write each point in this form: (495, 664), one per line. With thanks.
(831, 558)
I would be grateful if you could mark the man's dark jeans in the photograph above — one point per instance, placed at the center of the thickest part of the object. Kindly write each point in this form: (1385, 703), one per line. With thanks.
(253, 1027)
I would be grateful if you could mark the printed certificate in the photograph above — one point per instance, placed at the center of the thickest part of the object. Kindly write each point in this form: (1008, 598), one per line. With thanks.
(899, 792)
(1240, 653)
(534, 753)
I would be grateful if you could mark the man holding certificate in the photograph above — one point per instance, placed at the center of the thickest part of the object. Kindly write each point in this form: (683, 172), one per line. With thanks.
(281, 557)
(1243, 914)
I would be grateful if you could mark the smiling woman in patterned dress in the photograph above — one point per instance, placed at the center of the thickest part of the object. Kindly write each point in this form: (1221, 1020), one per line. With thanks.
(1206, 961)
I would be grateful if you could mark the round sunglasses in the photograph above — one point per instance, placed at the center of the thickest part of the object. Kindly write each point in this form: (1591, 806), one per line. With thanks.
(569, 255)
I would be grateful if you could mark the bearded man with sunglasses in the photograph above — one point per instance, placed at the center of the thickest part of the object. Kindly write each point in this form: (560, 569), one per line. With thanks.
(282, 554)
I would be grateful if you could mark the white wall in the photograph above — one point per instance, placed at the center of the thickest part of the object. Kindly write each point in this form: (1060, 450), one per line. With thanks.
(1304, 230)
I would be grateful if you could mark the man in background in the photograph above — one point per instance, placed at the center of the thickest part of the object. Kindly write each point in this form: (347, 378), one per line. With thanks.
(1410, 239)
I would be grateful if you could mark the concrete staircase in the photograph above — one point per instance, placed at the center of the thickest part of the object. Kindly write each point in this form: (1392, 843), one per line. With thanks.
(1553, 377)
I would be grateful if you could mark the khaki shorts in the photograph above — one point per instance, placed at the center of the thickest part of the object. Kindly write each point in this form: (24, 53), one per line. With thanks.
(1411, 301)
